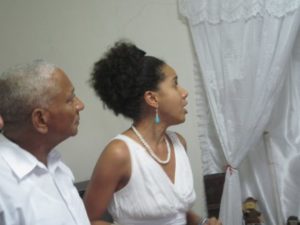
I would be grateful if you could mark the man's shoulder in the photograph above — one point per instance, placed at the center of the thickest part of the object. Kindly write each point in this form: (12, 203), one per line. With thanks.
(9, 184)
(6, 173)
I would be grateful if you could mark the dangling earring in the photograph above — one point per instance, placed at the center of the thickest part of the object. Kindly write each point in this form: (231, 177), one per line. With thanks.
(157, 119)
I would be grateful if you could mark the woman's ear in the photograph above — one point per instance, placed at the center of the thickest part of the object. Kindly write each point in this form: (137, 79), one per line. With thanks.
(151, 98)
(40, 119)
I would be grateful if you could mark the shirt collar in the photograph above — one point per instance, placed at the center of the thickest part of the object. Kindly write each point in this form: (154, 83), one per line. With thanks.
(55, 163)
(22, 162)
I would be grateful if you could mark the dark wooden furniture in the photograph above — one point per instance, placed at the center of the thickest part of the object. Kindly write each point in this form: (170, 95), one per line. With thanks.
(81, 186)
(213, 189)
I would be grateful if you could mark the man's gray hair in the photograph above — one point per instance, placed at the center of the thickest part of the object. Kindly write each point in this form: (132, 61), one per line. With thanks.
(23, 88)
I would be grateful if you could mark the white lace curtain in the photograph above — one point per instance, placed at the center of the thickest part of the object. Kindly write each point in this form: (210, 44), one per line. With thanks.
(244, 48)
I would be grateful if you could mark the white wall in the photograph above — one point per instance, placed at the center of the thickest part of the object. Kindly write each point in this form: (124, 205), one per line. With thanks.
(74, 34)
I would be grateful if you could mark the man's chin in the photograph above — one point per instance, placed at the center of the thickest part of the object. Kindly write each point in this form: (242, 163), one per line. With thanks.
(74, 132)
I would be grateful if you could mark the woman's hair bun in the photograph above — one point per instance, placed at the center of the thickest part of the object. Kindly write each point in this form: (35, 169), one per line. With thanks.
(121, 77)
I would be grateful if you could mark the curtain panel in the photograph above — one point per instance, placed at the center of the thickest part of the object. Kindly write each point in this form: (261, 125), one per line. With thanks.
(243, 48)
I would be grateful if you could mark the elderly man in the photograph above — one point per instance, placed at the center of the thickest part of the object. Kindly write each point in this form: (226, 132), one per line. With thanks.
(40, 110)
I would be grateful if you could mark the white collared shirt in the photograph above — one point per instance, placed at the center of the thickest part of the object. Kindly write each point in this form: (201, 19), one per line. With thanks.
(33, 194)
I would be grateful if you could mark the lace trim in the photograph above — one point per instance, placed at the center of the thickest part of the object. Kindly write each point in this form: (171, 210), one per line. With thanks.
(215, 11)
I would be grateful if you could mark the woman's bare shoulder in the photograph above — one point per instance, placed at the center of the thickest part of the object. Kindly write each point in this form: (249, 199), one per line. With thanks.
(116, 150)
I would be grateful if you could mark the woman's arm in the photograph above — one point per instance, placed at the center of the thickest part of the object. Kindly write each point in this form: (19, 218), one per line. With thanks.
(100, 223)
(193, 219)
(1, 122)
(111, 173)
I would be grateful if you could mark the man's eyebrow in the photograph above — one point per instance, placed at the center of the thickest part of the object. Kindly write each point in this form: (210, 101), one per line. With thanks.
(72, 92)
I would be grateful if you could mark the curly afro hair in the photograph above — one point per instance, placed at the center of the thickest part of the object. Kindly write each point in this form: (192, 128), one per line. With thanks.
(122, 77)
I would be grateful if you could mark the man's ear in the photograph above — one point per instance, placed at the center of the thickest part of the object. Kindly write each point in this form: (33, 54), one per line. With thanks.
(40, 119)
(151, 98)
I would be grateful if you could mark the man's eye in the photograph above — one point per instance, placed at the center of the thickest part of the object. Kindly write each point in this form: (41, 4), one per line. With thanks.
(71, 99)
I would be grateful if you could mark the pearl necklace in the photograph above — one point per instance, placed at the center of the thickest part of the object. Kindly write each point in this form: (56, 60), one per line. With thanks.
(149, 149)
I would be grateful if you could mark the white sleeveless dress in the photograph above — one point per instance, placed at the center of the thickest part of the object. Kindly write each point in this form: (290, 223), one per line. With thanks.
(150, 197)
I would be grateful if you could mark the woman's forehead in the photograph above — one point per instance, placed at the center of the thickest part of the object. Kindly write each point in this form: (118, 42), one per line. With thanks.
(169, 72)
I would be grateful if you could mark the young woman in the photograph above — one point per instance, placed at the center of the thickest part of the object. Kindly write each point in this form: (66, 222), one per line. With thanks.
(143, 176)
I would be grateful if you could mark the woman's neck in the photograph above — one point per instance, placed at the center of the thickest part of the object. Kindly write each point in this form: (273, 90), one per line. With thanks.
(151, 132)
